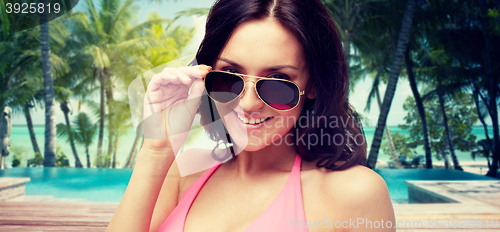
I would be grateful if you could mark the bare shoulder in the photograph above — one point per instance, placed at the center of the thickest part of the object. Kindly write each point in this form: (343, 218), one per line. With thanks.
(356, 180)
(358, 183)
(356, 192)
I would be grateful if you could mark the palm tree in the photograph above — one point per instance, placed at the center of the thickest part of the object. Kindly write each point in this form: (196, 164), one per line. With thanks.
(20, 92)
(375, 93)
(172, 40)
(440, 91)
(374, 54)
(103, 34)
(24, 98)
(349, 16)
(65, 109)
(403, 38)
(448, 134)
(446, 80)
(120, 124)
(420, 108)
(83, 132)
(29, 123)
(469, 37)
(48, 86)
(22, 88)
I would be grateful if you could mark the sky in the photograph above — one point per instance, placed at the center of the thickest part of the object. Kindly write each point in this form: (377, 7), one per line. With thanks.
(168, 9)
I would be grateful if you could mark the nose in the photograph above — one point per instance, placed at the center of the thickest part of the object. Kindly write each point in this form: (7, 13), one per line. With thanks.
(249, 99)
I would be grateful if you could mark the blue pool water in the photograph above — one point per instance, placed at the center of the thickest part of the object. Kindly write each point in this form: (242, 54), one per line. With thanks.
(398, 189)
(108, 185)
(94, 184)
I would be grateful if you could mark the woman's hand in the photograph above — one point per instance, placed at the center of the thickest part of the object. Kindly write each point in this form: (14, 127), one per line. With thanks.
(170, 106)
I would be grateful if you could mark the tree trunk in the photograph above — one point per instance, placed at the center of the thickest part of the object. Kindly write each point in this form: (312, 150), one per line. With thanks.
(111, 127)
(394, 155)
(420, 107)
(88, 156)
(29, 123)
(114, 151)
(100, 75)
(447, 131)
(446, 160)
(492, 92)
(496, 139)
(481, 119)
(403, 37)
(133, 152)
(110, 142)
(65, 110)
(1, 144)
(49, 159)
(5, 131)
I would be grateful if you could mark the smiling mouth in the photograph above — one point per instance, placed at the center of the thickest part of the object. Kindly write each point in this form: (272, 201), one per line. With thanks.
(253, 121)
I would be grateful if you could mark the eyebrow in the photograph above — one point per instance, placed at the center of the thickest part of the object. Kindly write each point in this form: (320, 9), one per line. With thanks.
(274, 68)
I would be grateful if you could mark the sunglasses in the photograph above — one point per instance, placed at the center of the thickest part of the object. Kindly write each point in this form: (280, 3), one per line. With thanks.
(279, 94)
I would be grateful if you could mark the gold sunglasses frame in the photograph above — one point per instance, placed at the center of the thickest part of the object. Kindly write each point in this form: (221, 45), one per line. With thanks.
(255, 87)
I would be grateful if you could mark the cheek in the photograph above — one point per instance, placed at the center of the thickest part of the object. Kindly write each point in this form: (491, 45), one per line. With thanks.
(227, 108)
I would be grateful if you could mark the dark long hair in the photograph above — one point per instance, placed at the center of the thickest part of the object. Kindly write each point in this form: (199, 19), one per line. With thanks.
(329, 113)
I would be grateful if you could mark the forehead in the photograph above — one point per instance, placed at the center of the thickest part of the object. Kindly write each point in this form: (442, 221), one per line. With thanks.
(264, 43)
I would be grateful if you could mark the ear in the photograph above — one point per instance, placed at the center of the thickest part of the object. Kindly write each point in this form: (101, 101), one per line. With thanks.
(311, 92)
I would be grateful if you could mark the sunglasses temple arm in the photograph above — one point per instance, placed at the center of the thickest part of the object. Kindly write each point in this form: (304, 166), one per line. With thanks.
(225, 130)
(211, 110)
(228, 137)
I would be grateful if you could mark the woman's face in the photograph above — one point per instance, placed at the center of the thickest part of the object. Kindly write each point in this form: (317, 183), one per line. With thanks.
(262, 48)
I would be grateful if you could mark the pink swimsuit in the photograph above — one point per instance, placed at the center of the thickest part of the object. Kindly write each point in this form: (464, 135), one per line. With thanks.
(286, 213)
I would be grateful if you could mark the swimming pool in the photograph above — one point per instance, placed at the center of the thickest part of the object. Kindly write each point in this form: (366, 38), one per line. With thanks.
(94, 184)
(108, 185)
(399, 191)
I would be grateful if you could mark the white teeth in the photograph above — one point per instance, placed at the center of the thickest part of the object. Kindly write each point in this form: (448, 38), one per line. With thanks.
(252, 121)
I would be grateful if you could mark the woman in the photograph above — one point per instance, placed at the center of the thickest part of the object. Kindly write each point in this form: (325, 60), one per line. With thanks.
(299, 144)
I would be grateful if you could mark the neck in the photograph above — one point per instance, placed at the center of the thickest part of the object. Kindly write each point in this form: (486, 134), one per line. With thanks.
(272, 158)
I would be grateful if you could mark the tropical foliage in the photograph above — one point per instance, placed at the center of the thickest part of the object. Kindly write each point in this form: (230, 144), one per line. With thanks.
(448, 49)
(94, 52)
(460, 119)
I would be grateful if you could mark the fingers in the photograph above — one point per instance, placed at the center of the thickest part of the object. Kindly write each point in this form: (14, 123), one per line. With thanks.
(194, 96)
(172, 85)
(161, 101)
(182, 75)
(199, 71)
(197, 89)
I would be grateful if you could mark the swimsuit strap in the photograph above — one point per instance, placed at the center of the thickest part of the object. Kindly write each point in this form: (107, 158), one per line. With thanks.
(297, 162)
(287, 209)
(286, 206)
(177, 218)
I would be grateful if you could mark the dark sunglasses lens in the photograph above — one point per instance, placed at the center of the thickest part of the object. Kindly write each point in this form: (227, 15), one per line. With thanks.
(278, 94)
(223, 87)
